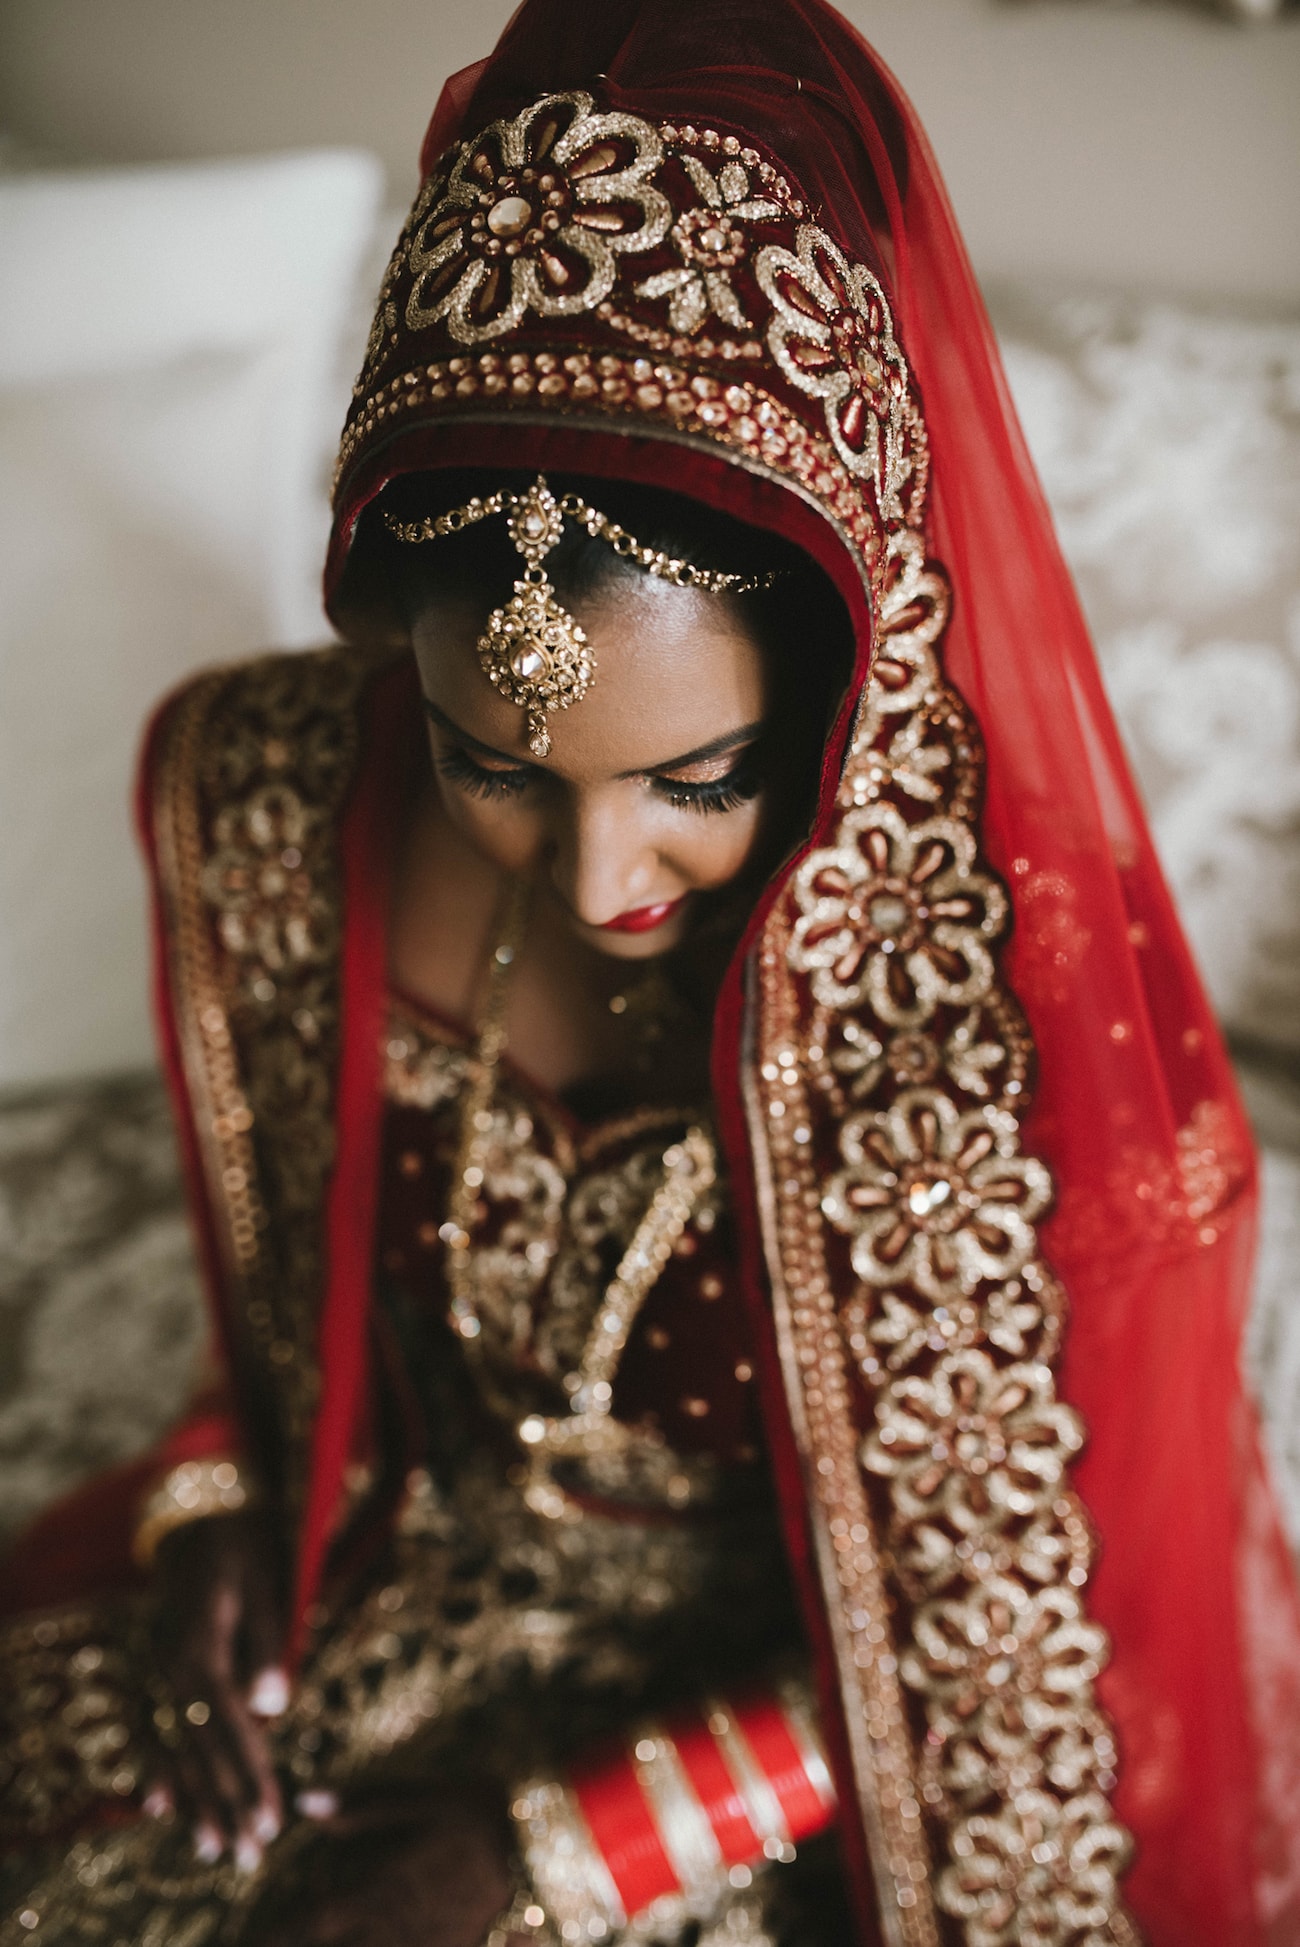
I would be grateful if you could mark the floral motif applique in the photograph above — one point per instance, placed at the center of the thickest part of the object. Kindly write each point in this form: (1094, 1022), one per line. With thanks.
(934, 1198)
(712, 243)
(898, 915)
(534, 215)
(906, 1140)
(973, 1442)
(832, 335)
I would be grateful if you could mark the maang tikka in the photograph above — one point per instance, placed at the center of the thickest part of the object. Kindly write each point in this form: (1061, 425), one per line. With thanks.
(532, 649)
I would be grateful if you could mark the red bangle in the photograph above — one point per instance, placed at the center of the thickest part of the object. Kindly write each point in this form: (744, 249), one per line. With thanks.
(689, 1807)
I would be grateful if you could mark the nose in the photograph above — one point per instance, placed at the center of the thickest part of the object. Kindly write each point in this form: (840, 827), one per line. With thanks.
(602, 860)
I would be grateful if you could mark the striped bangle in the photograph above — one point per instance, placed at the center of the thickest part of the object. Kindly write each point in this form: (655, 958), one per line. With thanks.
(658, 1833)
(191, 1492)
(564, 1863)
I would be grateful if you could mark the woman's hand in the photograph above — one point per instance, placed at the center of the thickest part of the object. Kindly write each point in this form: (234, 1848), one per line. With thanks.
(426, 1871)
(218, 1636)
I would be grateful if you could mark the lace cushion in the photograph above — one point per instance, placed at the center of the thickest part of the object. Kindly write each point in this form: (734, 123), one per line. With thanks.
(1168, 440)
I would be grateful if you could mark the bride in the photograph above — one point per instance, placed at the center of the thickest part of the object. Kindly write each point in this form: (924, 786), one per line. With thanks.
(725, 1209)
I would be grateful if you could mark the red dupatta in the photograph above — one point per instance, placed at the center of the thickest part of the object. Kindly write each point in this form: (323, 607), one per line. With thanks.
(756, 295)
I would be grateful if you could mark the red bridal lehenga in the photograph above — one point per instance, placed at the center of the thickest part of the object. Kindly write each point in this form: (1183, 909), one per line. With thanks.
(928, 1389)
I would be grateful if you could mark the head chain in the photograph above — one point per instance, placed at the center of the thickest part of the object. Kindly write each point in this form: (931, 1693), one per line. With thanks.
(533, 650)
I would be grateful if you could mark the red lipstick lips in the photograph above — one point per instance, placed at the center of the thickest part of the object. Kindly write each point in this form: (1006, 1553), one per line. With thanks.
(643, 919)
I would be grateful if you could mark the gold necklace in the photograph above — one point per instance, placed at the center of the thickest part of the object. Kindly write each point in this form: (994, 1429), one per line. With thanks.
(690, 1170)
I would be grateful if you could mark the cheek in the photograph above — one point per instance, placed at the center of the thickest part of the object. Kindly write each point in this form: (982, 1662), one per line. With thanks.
(711, 849)
(503, 831)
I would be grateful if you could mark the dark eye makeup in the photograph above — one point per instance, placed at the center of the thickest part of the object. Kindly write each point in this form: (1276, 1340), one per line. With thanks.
(477, 779)
(736, 787)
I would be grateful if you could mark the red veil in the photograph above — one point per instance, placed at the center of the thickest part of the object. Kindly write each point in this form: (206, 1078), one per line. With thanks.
(805, 346)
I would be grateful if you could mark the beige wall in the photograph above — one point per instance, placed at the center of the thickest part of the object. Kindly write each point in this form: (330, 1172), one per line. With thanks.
(1149, 146)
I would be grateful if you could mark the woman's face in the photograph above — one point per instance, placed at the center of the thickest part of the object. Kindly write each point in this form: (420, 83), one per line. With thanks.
(654, 793)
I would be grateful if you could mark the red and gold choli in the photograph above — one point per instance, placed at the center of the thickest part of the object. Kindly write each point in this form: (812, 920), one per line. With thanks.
(562, 1199)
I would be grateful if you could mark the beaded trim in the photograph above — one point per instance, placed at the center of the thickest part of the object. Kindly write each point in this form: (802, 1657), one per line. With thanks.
(252, 767)
(920, 1329)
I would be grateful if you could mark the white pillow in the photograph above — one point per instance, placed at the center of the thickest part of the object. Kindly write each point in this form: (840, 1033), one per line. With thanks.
(172, 373)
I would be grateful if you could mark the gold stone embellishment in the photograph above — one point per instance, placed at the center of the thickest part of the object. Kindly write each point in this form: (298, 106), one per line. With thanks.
(533, 215)
(832, 335)
(532, 649)
(711, 242)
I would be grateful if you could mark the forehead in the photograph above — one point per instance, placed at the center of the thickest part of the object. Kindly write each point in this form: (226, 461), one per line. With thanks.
(674, 669)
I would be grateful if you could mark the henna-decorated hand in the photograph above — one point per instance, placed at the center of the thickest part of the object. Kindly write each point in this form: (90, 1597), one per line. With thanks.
(218, 1644)
(421, 1871)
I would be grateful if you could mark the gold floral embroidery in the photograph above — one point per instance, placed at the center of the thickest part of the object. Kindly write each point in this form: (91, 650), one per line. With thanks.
(832, 335)
(974, 1443)
(603, 1210)
(533, 216)
(482, 1612)
(559, 1221)
(935, 1199)
(546, 214)
(139, 1883)
(1047, 1867)
(976, 1047)
(252, 770)
(711, 242)
(896, 915)
(271, 917)
(70, 1724)
(952, 1322)
(483, 1621)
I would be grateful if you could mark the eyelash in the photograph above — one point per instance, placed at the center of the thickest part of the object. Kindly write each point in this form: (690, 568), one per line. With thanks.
(739, 785)
(460, 767)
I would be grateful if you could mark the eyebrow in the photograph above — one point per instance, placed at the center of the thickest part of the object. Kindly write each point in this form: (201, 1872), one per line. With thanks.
(700, 755)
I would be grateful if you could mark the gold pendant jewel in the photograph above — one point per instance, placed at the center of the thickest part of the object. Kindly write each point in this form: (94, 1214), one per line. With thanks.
(533, 650)
(537, 655)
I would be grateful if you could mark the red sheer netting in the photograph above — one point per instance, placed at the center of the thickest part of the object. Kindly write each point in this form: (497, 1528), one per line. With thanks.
(1136, 1108)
